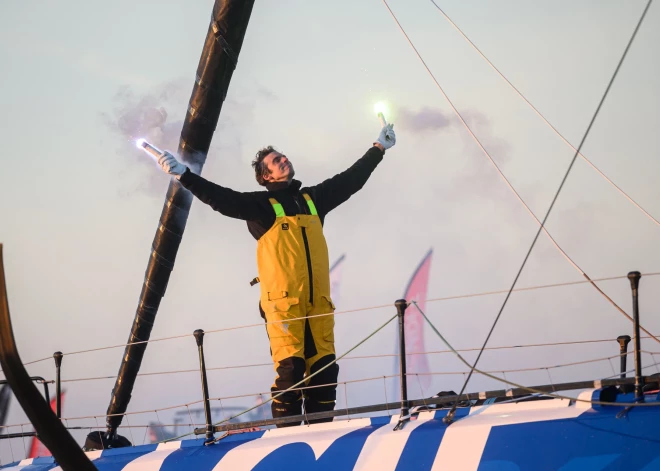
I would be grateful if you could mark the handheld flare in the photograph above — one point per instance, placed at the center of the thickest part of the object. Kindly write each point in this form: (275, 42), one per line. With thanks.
(380, 109)
(153, 151)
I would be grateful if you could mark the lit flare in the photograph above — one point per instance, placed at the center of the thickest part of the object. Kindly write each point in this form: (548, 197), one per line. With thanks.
(153, 151)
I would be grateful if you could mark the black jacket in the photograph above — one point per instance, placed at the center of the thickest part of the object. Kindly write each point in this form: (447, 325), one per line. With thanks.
(256, 209)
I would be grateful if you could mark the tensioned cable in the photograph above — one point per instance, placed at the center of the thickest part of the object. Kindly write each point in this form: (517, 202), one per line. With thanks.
(307, 378)
(457, 373)
(362, 380)
(540, 115)
(552, 204)
(180, 406)
(124, 414)
(225, 329)
(444, 373)
(449, 417)
(446, 298)
(531, 288)
(506, 181)
(362, 357)
(455, 351)
(516, 370)
(544, 393)
(524, 370)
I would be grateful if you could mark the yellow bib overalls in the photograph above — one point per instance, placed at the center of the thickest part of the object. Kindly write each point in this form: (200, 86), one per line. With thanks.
(292, 259)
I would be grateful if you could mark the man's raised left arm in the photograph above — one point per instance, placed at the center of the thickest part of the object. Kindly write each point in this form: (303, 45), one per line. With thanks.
(334, 191)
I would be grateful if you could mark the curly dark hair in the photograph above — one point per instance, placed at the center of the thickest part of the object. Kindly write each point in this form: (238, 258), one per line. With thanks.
(260, 170)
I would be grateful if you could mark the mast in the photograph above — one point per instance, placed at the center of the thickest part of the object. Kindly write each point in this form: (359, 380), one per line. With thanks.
(216, 65)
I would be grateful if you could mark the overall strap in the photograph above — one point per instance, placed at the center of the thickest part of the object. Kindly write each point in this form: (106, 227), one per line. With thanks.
(310, 203)
(279, 210)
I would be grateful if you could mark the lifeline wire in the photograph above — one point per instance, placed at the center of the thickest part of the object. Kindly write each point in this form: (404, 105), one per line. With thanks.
(547, 214)
(436, 373)
(389, 355)
(225, 329)
(517, 370)
(299, 382)
(540, 115)
(504, 380)
(531, 213)
(349, 311)
(520, 386)
(538, 392)
(531, 288)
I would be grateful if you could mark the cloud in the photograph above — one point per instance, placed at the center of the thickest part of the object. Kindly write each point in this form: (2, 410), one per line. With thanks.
(157, 116)
(426, 119)
(147, 116)
(475, 171)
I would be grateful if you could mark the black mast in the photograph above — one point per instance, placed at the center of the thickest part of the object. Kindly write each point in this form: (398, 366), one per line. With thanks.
(216, 66)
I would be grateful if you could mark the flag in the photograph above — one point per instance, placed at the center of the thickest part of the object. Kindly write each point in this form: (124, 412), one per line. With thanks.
(36, 447)
(335, 278)
(414, 330)
(414, 321)
(5, 397)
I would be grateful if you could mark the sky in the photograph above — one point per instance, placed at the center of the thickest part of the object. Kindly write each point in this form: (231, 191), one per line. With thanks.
(79, 205)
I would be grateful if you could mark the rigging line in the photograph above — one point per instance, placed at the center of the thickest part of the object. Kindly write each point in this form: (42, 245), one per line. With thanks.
(554, 199)
(307, 378)
(218, 399)
(615, 375)
(359, 357)
(446, 298)
(225, 329)
(531, 288)
(485, 152)
(304, 387)
(299, 318)
(123, 345)
(315, 373)
(523, 370)
(455, 351)
(526, 388)
(362, 357)
(540, 115)
(451, 373)
(148, 411)
(502, 347)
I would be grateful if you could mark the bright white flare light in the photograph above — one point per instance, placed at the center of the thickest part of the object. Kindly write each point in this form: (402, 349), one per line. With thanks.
(153, 151)
(380, 108)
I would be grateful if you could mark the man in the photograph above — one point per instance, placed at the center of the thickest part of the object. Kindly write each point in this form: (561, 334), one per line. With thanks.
(292, 259)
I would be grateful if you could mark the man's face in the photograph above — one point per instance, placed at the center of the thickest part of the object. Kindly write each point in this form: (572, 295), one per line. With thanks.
(280, 168)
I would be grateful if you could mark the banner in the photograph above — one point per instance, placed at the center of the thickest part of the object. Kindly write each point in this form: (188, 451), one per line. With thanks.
(36, 447)
(335, 278)
(5, 397)
(414, 321)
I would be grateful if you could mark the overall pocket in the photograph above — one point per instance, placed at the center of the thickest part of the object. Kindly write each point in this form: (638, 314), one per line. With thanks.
(328, 321)
(284, 324)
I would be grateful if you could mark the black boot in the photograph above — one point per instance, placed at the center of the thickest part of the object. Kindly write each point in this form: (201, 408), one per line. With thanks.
(282, 409)
(312, 406)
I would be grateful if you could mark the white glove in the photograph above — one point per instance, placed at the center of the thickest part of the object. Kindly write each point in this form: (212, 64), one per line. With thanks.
(387, 137)
(170, 165)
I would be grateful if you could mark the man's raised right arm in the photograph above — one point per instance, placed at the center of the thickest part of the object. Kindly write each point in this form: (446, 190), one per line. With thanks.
(226, 201)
